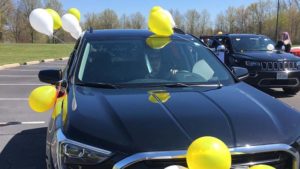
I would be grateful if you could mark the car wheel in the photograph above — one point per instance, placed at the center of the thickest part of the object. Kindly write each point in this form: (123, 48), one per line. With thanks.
(291, 90)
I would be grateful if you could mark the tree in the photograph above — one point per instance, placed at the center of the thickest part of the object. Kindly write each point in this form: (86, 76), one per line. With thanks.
(178, 19)
(108, 19)
(220, 24)
(192, 18)
(137, 21)
(6, 8)
(15, 27)
(26, 7)
(125, 22)
(91, 21)
(204, 22)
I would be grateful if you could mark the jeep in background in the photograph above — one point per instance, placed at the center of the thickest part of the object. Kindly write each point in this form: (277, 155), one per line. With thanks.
(268, 67)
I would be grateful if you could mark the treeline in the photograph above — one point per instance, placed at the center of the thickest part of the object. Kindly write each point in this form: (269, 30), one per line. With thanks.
(258, 17)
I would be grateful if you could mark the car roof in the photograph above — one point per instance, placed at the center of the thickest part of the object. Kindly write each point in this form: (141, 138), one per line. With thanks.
(126, 33)
(240, 35)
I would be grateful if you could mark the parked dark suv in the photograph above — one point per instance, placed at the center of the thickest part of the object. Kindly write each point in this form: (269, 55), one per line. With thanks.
(268, 67)
(131, 100)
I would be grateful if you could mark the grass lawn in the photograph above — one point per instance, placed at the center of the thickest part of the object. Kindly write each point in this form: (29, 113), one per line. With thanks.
(20, 53)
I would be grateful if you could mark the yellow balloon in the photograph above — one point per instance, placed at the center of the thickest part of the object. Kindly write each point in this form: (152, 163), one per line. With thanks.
(220, 33)
(208, 153)
(75, 12)
(262, 167)
(42, 98)
(159, 22)
(163, 96)
(157, 42)
(57, 23)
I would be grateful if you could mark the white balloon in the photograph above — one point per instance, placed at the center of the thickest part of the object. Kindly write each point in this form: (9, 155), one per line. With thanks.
(170, 18)
(76, 34)
(41, 21)
(70, 23)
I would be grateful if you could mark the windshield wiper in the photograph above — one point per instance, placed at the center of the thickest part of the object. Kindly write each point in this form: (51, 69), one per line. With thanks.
(100, 85)
(174, 85)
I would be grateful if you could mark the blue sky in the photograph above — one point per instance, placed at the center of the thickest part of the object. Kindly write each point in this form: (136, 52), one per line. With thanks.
(144, 6)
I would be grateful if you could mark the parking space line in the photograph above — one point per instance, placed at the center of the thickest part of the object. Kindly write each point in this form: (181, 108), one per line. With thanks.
(46, 66)
(18, 123)
(18, 76)
(13, 99)
(14, 84)
(22, 70)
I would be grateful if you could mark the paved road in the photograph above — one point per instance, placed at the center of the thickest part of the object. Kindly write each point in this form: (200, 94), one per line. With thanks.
(22, 146)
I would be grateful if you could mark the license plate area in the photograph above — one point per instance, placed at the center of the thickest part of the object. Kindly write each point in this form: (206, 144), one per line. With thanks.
(282, 76)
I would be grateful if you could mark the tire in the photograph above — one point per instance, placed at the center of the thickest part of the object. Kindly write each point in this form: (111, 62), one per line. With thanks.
(291, 90)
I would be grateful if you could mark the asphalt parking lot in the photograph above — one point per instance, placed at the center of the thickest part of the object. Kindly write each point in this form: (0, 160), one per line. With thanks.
(23, 132)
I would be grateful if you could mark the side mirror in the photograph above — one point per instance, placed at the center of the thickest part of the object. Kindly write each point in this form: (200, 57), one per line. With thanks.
(221, 48)
(240, 72)
(50, 76)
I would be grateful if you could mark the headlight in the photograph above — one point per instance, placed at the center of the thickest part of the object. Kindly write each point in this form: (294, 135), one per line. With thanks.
(298, 65)
(252, 63)
(65, 151)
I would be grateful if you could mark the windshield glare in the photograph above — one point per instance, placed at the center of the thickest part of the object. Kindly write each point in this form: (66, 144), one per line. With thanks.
(252, 43)
(150, 61)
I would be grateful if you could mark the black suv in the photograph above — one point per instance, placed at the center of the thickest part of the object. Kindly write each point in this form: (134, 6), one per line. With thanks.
(268, 67)
(130, 100)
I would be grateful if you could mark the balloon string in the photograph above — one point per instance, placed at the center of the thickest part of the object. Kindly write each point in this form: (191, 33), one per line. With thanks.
(61, 41)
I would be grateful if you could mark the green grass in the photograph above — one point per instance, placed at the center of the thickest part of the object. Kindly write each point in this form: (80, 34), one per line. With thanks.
(20, 53)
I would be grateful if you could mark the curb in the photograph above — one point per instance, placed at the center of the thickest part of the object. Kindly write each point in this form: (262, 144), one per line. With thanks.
(10, 66)
(30, 63)
(48, 60)
(65, 58)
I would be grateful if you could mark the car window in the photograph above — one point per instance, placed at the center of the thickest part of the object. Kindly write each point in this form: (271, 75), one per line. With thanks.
(252, 43)
(134, 61)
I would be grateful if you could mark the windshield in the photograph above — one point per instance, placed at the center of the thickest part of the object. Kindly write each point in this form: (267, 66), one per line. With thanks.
(150, 61)
(252, 43)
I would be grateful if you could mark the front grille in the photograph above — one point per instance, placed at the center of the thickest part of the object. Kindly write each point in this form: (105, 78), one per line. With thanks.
(279, 160)
(275, 66)
(276, 82)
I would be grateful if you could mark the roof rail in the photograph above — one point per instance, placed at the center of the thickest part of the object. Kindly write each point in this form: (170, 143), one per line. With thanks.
(177, 30)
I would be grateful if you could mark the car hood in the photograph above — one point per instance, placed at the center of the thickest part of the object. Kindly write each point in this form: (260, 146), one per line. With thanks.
(130, 120)
(267, 56)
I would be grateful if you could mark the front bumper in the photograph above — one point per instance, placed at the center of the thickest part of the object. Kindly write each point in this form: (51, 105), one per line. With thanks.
(281, 156)
(268, 79)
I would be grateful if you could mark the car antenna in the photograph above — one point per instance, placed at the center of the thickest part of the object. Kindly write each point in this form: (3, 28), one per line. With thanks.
(91, 30)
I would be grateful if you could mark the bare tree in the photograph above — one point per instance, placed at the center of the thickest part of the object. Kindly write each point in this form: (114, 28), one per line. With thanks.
(125, 22)
(91, 21)
(137, 21)
(108, 19)
(26, 7)
(204, 22)
(55, 5)
(6, 8)
(178, 19)
(192, 18)
(220, 24)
